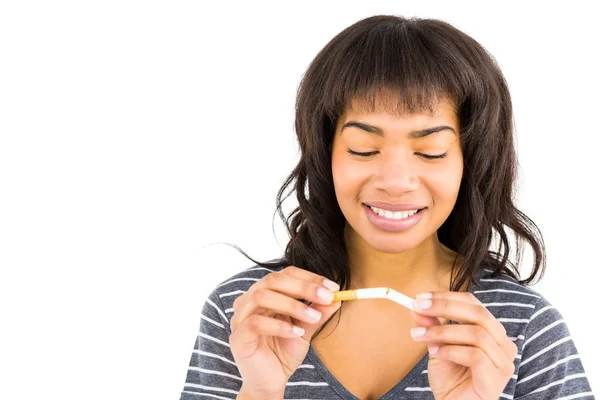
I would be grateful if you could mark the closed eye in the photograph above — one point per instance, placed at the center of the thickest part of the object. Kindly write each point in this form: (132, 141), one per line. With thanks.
(432, 157)
(365, 154)
(372, 153)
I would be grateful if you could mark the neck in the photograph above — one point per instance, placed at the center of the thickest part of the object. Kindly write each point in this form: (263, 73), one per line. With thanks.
(423, 268)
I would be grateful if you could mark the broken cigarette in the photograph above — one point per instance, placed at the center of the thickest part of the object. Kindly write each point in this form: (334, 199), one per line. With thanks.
(375, 293)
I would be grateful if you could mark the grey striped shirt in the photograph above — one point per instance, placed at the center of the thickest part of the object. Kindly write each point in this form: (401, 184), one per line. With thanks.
(547, 366)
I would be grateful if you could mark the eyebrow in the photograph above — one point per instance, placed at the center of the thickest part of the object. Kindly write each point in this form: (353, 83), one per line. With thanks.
(413, 135)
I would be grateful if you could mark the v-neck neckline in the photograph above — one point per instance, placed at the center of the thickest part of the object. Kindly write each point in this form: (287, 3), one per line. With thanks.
(409, 379)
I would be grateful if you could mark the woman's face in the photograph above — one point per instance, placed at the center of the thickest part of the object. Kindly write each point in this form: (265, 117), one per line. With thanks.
(386, 167)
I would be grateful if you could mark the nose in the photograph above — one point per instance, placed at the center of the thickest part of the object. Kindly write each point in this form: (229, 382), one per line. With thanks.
(396, 175)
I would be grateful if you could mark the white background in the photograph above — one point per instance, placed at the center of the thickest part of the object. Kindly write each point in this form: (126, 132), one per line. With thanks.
(135, 134)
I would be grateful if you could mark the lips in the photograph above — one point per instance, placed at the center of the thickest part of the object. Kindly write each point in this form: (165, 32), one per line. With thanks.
(394, 225)
(395, 207)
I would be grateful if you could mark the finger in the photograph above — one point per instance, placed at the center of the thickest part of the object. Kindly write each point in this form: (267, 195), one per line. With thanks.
(327, 312)
(465, 297)
(484, 374)
(440, 305)
(466, 335)
(510, 349)
(482, 368)
(284, 284)
(246, 338)
(298, 284)
(280, 304)
(508, 346)
(467, 356)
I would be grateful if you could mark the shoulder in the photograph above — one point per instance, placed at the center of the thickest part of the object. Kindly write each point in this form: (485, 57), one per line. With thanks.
(242, 281)
(506, 297)
(228, 290)
(547, 364)
(523, 311)
(503, 291)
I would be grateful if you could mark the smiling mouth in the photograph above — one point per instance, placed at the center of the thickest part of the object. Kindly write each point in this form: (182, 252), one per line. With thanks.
(395, 215)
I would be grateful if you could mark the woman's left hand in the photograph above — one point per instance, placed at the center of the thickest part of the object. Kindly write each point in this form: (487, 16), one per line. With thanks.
(469, 360)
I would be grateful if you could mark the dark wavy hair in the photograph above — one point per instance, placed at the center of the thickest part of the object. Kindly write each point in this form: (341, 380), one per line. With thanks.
(418, 61)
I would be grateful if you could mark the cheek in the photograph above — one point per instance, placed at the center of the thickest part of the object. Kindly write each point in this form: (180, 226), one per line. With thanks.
(444, 183)
(348, 177)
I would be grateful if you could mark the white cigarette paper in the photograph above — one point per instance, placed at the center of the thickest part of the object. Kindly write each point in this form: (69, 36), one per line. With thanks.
(372, 293)
(376, 293)
(401, 299)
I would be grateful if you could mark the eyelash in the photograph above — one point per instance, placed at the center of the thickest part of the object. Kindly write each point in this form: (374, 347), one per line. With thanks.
(372, 153)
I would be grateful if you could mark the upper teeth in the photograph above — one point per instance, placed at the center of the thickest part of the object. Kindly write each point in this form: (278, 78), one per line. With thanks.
(392, 214)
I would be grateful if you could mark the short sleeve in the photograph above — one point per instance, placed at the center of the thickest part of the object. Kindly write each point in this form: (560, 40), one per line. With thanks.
(212, 372)
(550, 366)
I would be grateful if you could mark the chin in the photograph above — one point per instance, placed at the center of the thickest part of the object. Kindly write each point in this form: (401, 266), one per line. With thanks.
(390, 245)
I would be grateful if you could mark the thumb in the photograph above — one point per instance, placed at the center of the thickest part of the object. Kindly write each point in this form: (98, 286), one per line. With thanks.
(425, 320)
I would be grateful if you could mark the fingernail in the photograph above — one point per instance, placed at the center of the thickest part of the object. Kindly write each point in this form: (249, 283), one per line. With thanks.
(422, 303)
(313, 314)
(417, 332)
(325, 294)
(425, 295)
(433, 349)
(334, 287)
(297, 330)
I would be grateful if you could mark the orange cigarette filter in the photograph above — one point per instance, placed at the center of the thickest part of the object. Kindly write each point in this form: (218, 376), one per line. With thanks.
(345, 295)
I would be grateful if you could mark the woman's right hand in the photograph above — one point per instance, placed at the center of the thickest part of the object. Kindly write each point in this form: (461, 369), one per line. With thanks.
(265, 347)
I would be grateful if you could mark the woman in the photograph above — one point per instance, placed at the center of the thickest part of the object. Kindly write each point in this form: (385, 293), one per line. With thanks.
(405, 180)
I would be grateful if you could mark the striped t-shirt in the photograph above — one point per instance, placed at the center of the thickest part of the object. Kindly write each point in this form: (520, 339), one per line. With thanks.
(547, 366)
